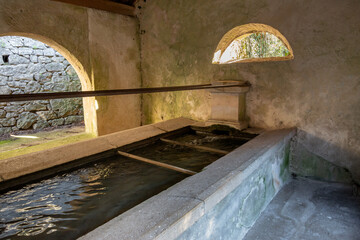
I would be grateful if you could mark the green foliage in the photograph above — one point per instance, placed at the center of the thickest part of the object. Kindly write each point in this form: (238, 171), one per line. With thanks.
(256, 45)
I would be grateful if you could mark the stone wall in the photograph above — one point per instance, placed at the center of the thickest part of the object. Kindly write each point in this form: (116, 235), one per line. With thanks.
(102, 47)
(30, 66)
(318, 91)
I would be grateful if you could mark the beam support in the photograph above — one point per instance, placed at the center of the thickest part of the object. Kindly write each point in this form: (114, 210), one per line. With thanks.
(160, 164)
(103, 5)
(202, 148)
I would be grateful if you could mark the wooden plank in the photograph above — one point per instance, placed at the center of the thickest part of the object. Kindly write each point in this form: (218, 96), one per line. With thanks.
(103, 5)
(160, 164)
(207, 149)
(59, 95)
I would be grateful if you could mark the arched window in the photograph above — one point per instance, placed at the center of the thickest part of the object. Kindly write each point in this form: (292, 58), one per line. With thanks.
(252, 43)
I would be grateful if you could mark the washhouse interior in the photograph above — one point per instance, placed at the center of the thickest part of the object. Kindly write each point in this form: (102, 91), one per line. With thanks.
(261, 140)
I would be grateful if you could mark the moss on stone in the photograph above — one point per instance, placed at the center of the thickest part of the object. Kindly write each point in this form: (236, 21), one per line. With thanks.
(307, 164)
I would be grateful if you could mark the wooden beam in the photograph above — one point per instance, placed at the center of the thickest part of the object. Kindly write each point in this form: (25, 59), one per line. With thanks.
(160, 164)
(207, 149)
(103, 5)
(59, 95)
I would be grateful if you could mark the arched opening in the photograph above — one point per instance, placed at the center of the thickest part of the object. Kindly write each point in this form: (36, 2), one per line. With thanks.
(252, 43)
(42, 66)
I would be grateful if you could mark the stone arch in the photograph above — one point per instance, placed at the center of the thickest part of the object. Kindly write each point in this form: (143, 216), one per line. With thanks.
(244, 31)
(86, 85)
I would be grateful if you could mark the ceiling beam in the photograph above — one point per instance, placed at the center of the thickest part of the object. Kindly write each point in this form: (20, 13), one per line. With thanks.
(103, 5)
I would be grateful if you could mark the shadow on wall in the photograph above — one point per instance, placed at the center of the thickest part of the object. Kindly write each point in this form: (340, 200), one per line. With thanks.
(318, 163)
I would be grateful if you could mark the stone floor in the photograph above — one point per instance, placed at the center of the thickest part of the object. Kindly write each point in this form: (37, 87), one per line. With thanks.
(23, 143)
(309, 209)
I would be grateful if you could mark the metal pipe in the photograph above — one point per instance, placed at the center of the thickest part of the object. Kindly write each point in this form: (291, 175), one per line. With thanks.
(59, 95)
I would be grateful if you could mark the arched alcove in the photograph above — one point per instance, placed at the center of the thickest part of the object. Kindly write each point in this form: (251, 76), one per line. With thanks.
(88, 103)
(252, 42)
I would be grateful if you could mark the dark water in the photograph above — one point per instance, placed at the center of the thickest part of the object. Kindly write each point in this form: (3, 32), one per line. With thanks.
(221, 142)
(71, 204)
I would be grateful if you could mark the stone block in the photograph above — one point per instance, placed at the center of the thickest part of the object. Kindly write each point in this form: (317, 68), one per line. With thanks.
(3, 80)
(64, 107)
(228, 105)
(16, 59)
(17, 77)
(47, 115)
(30, 43)
(34, 107)
(54, 67)
(33, 59)
(14, 108)
(26, 120)
(57, 122)
(5, 90)
(41, 124)
(38, 52)
(16, 42)
(49, 86)
(32, 87)
(49, 52)
(43, 59)
(58, 59)
(43, 77)
(73, 119)
(6, 70)
(25, 51)
(5, 130)
(59, 78)
(2, 113)
(5, 51)
(7, 122)
(33, 68)
(12, 114)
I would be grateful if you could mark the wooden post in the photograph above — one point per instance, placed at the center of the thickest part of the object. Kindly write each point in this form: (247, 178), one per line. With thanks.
(207, 149)
(160, 164)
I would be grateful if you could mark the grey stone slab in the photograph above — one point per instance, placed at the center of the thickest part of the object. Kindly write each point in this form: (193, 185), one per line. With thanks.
(204, 197)
(33, 162)
(308, 209)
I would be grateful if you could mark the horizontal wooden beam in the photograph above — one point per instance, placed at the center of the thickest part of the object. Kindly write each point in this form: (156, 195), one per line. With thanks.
(103, 5)
(59, 95)
(202, 148)
(160, 164)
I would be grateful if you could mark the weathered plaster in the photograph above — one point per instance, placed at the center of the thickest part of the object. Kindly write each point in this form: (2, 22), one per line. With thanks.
(318, 91)
(102, 47)
(115, 60)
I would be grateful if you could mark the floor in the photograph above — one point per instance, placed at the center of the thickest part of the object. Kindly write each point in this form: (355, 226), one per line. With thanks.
(19, 144)
(309, 209)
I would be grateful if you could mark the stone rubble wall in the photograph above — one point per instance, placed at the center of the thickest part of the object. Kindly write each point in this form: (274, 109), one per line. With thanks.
(31, 66)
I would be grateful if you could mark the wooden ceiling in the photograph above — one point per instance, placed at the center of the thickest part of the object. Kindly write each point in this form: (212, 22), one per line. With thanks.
(124, 7)
(126, 2)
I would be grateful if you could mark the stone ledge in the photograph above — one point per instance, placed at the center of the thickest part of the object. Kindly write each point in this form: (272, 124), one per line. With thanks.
(172, 212)
(15, 167)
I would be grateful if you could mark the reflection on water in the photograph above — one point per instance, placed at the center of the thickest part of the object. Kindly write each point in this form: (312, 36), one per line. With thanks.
(71, 204)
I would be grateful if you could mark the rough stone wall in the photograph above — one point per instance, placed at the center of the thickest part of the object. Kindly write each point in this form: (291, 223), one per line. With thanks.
(101, 46)
(31, 66)
(318, 91)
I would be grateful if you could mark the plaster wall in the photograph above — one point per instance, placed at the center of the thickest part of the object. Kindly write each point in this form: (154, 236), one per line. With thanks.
(318, 91)
(102, 48)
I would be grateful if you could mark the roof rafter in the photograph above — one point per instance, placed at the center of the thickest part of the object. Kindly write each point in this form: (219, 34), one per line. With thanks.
(103, 5)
